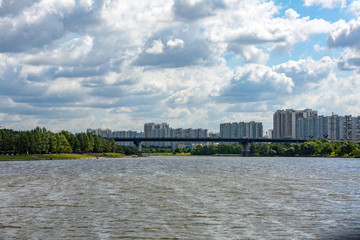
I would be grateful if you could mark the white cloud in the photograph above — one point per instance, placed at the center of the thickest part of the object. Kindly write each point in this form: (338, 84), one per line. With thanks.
(349, 60)
(156, 48)
(326, 3)
(267, 32)
(119, 64)
(175, 43)
(291, 14)
(319, 48)
(345, 34)
(68, 53)
(355, 7)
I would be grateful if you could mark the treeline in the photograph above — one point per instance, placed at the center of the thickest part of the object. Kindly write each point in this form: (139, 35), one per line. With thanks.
(313, 148)
(40, 141)
(217, 149)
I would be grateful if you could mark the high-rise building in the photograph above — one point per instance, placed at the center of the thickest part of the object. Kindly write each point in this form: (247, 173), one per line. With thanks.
(332, 127)
(241, 130)
(99, 132)
(336, 127)
(284, 122)
(312, 128)
(351, 128)
(156, 130)
(164, 131)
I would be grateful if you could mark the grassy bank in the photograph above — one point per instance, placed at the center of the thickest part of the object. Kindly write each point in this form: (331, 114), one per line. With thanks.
(14, 157)
(59, 156)
(64, 156)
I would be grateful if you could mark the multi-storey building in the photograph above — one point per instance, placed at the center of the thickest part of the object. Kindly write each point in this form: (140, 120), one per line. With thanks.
(241, 130)
(351, 128)
(332, 127)
(335, 127)
(312, 128)
(99, 131)
(156, 130)
(284, 121)
(126, 134)
(164, 131)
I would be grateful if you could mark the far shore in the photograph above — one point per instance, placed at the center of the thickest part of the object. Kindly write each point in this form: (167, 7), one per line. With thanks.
(69, 156)
(34, 157)
(60, 156)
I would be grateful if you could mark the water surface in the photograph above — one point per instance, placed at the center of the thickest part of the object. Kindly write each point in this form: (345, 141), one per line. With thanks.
(181, 198)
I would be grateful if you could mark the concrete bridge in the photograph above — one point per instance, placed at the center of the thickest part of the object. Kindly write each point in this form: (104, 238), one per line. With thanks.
(245, 142)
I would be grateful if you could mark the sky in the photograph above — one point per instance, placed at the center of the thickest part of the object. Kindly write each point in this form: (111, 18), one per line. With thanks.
(78, 64)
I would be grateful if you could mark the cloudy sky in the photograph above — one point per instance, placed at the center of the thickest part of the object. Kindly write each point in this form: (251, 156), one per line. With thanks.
(78, 64)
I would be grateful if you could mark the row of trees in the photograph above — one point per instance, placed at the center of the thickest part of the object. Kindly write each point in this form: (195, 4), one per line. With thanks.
(40, 140)
(217, 149)
(316, 148)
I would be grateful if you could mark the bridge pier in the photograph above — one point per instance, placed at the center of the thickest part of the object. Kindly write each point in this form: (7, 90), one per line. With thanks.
(245, 149)
(138, 145)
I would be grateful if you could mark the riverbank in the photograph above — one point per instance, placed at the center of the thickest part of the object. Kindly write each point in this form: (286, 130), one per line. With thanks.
(60, 156)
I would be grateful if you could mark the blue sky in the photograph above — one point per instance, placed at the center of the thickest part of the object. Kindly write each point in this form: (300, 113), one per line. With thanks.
(78, 64)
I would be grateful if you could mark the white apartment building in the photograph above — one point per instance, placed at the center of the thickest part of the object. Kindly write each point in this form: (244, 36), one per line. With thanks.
(156, 130)
(241, 130)
(99, 131)
(164, 131)
(332, 127)
(284, 122)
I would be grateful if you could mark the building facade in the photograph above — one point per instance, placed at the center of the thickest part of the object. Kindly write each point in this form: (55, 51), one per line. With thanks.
(332, 127)
(284, 122)
(156, 130)
(164, 131)
(99, 131)
(241, 130)
(351, 128)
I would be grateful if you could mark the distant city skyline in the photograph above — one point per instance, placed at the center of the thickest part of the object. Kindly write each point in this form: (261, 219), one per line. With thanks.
(287, 124)
(75, 65)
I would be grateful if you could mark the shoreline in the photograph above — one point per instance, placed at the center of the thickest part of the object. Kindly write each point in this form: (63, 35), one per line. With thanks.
(37, 157)
(97, 156)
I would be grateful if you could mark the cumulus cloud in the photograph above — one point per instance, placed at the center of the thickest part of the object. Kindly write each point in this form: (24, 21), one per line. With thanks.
(175, 53)
(319, 48)
(291, 14)
(255, 82)
(68, 53)
(118, 64)
(156, 48)
(326, 3)
(267, 33)
(175, 43)
(306, 71)
(345, 34)
(189, 10)
(355, 7)
(349, 60)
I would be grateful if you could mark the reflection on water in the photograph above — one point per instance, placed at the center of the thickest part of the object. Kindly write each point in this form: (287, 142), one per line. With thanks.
(181, 197)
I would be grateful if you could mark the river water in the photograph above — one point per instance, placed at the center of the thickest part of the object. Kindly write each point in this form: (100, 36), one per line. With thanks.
(186, 197)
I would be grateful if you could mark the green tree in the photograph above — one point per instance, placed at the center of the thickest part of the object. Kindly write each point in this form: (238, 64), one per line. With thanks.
(130, 150)
(91, 143)
(72, 140)
(326, 149)
(346, 148)
(63, 144)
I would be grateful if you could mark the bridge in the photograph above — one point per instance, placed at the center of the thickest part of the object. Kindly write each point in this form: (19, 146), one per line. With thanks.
(245, 142)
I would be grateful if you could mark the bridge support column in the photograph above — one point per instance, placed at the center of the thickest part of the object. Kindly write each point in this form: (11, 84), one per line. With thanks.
(245, 149)
(138, 145)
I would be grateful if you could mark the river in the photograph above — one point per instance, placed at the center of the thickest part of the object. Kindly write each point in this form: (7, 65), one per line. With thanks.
(181, 197)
